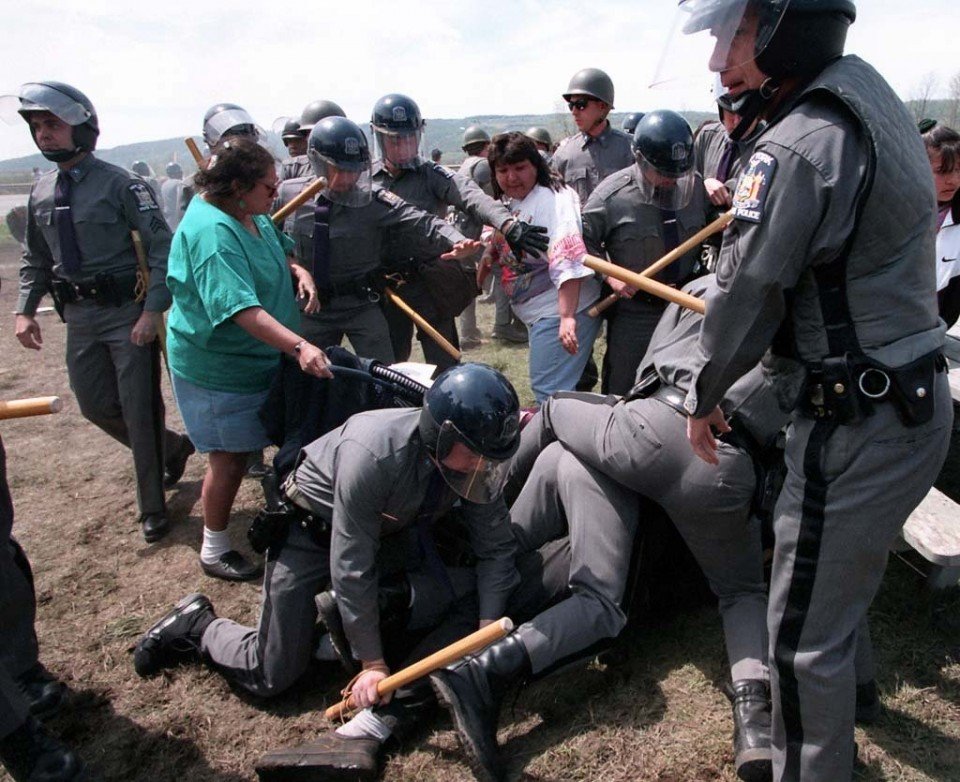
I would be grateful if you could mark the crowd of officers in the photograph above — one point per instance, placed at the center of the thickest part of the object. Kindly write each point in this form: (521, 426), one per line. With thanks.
(833, 212)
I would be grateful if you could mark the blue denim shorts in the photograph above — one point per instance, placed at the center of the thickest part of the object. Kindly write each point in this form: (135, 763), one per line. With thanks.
(220, 420)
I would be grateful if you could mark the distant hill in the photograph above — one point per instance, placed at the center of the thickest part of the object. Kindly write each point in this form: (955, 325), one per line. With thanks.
(445, 134)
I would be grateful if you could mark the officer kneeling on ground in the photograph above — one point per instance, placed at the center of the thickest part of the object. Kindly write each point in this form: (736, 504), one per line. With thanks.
(384, 475)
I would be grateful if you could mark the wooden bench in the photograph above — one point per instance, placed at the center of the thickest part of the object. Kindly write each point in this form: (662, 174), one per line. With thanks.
(933, 530)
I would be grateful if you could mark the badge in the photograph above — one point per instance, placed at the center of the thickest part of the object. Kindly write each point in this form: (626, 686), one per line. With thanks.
(753, 187)
(390, 199)
(145, 200)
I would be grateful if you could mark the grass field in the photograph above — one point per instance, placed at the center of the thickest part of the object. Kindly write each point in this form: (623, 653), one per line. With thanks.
(657, 716)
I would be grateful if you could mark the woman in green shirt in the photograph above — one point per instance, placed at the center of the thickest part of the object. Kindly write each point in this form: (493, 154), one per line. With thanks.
(234, 312)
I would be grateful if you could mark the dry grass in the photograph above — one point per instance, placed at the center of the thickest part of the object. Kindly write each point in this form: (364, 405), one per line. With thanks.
(658, 717)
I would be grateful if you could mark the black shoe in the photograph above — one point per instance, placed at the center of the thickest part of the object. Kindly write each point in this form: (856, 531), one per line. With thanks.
(330, 757)
(154, 526)
(329, 613)
(868, 703)
(256, 467)
(177, 463)
(752, 756)
(472, 691)
(31, 754)
(42, 691)
(232, 566)
(176, 637)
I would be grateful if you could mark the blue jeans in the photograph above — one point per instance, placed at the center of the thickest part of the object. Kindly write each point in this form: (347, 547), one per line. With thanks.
(552, 369)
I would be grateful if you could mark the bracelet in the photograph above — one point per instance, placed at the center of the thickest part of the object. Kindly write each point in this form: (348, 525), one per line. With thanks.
(299, 346)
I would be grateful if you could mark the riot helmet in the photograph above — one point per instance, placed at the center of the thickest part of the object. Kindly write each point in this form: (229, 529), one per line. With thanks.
(290, 130)
(317, 110)
(540, 135)
(140, 168)
(474, 139)
(397, 130)
(66, 103)
(630, 121)
(590, 83)
(663, 148)
(174, 170)
(228, 119)
(338, 150)
(470, 424)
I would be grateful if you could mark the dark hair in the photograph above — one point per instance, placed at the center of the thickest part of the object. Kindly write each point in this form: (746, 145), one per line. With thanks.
(946, 141)
(514, 147)
(237, 161)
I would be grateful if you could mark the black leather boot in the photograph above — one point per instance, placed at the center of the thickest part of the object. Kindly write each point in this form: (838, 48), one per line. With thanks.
(330, 757)
(868, 703)
(751, 730)
(472, 691)
(43, 691)
(175, 637)
(30, 754)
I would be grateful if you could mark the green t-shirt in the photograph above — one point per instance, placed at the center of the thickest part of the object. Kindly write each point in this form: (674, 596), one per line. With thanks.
(216, 269)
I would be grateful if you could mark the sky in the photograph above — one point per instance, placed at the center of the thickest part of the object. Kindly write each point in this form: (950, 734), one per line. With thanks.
(152, 69)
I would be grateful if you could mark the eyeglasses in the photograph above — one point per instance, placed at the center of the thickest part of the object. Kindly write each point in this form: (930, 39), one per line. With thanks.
(579, 103)
(272, 189)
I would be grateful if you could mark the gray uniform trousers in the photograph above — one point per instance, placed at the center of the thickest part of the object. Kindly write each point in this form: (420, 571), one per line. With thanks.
(359, 320)
(564, 497)
(642, 445)
(847, 493)
(269, 658)
(117, 385)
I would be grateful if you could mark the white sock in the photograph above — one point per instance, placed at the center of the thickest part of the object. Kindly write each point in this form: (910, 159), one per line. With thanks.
(366, 725)
(215, 545)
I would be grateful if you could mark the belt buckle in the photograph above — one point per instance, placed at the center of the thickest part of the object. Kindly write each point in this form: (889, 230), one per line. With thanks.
(373, 296)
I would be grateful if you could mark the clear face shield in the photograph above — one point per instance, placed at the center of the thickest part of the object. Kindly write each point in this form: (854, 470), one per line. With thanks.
(472, 476)
(40, 97)
(401, 148)
(232, 122)
(668, 192)
(348, 183)
(720, 34)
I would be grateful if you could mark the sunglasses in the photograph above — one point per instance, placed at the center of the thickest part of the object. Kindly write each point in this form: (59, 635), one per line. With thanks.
(272, 190)
(579, 103)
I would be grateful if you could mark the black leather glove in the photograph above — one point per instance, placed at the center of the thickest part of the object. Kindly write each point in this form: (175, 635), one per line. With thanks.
(523, 237)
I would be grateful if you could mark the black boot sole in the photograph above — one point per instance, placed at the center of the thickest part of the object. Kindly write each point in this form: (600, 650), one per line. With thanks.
(451, 701)
(756, 766)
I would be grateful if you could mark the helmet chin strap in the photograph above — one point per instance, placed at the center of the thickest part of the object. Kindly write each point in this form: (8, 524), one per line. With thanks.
(748, 105)
(61, 155)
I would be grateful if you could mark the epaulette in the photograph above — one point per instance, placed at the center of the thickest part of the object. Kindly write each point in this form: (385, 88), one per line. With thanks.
(443, 171)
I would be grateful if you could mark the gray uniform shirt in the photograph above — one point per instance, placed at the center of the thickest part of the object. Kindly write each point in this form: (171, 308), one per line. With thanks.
(107, 202)
(295, 167)
(357, 234)
(433, 188)
(796, 204)
(585, 161)
(370, 477)
(619, 223)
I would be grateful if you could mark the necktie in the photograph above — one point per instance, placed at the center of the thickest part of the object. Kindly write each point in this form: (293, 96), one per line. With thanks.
(321, 243)
(726, 160)
(70, 257)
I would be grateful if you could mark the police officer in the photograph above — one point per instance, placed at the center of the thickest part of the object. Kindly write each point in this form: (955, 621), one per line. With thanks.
(581, 460)
(223, 120)
(598, 150)
(341, 236)
(369, 492)
(143, 170)
(176, 195)
(79, 247)
(298, 165)
(630, 122)
(296, 144)
(831, 254)
(634, 217)
(476, 144)
(27, 690)
(438, 291)
(541, 137)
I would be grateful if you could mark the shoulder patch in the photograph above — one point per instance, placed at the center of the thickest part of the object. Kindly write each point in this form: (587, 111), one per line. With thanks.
(753, 187)
(145, 200)
(445, 172)
(390, 199)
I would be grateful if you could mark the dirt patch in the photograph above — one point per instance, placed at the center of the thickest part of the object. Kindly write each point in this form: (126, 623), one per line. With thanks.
(658, 717)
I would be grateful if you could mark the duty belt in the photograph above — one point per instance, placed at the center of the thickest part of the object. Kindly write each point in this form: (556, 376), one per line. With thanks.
(316, 526)
(367, 287)
(106, 289)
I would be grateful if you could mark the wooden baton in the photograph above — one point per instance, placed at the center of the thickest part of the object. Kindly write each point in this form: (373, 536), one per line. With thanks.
(417, 318)
(434, 662)
(195, 152)
(717, 225)
(22, 408)
(145, 273)
(644, 284)
(301, 198)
